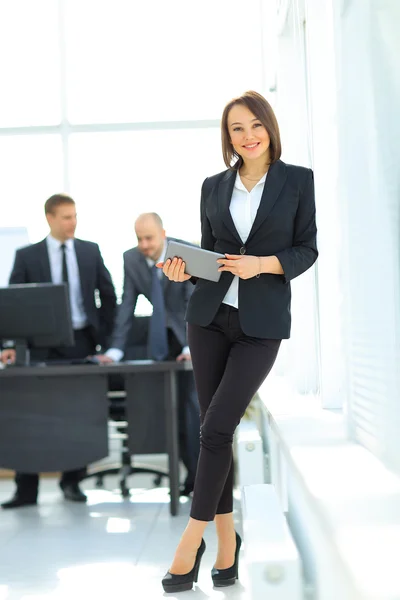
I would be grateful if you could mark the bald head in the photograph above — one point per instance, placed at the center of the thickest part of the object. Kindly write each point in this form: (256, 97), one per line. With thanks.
(152, 216)
(150, 234)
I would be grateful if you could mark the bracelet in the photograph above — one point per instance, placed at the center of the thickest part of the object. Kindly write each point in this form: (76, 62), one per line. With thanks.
(259, 267)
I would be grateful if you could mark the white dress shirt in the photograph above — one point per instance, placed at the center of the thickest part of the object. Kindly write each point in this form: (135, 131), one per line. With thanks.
(79, 317)
(116, 354)
(243, 208)
(151, 262)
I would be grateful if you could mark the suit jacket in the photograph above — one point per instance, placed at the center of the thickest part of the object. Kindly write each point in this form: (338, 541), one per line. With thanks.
(284, 226)
(32, 265)
(137, 280)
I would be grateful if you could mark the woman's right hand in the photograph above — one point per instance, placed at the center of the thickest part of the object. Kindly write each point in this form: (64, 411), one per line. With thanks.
(174, 270)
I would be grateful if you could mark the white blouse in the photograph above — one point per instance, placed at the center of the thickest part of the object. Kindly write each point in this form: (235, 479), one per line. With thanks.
(243, 208)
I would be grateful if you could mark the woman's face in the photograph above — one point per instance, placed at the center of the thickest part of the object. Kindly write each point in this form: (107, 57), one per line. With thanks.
(248, 135)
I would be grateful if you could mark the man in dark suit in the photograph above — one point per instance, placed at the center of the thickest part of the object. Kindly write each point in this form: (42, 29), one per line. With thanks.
(61, 257)
(167, 331)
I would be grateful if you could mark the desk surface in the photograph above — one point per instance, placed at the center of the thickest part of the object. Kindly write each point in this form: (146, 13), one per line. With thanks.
(133, 366)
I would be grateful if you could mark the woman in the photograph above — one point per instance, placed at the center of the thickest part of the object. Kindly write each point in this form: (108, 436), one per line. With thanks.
(260, 213)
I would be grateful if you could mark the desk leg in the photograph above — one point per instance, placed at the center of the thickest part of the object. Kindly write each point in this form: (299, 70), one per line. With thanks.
(171, 404)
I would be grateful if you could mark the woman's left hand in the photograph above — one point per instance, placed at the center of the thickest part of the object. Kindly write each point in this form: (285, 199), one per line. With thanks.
(244, 267)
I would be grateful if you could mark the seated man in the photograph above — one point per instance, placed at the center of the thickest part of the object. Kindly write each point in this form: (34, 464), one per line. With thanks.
(167, 329)
(61, 257)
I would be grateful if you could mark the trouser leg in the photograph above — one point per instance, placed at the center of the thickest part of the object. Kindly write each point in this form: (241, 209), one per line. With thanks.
(229, 368)
(27, 485)
(74, 476)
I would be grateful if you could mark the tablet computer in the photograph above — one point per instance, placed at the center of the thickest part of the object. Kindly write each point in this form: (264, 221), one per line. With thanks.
(199, 263)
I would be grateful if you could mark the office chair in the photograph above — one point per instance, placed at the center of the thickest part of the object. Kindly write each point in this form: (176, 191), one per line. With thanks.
(136, 350)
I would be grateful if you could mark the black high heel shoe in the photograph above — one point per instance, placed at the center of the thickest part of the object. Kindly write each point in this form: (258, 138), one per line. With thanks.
(225, 577)
(181, 583)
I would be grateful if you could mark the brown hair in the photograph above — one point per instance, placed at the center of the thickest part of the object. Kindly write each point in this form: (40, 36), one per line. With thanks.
(261, 109)
(56, 200)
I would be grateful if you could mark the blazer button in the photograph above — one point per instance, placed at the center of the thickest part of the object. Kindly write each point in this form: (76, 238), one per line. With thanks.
(242, 250)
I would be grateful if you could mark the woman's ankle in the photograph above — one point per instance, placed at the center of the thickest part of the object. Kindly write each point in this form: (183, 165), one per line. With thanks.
(193, 533)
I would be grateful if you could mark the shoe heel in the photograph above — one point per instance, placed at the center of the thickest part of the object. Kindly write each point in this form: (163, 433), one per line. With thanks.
(198, 561)
(227, 577)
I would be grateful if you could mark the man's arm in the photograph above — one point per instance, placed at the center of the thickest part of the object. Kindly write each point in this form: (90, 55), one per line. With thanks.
(124, 318)
(187, 290)
(108, 298)
(18, 273)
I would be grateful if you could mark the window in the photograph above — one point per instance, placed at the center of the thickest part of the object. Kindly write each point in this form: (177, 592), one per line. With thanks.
(31, 171)
(125, 100)
(159, 61)
(116, 176)
(30, 63)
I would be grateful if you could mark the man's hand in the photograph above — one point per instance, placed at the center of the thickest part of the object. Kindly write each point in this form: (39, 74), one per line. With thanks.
(184, 356)
(8, 356)
(104, 359)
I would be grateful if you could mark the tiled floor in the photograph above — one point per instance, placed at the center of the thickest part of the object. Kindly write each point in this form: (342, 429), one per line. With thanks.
(109, 548)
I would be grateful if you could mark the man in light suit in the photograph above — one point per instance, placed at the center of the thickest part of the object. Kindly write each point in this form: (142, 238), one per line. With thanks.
(61, 257)
(167, 329)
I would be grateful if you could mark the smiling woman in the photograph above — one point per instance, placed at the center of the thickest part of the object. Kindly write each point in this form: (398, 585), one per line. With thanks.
(250, 131)
(259, 213)
(250, 138)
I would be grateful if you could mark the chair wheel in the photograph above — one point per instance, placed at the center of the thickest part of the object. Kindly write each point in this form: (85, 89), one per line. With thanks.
(157, 480)
(125, 491)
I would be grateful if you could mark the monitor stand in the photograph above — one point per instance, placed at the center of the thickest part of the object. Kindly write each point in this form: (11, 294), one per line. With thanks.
(22, 358)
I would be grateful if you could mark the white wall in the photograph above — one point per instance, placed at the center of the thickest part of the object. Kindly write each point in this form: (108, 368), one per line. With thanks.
(11, 238)
(367, 46)
(353, 132)
(325, 153)
(306, 105)
(298, 359)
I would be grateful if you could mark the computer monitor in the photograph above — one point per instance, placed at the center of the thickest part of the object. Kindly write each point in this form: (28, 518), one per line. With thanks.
(35, 315)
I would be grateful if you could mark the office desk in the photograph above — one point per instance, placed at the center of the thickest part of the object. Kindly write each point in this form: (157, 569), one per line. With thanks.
(55, 418)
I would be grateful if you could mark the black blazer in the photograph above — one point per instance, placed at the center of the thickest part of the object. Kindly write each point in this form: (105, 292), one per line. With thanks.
(32, 265)
(284, 226)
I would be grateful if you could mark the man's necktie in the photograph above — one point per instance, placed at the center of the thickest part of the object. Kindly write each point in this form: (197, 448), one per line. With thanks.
(64, 263)
(157, 340)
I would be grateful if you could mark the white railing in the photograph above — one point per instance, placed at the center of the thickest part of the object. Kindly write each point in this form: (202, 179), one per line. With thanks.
(272, 560)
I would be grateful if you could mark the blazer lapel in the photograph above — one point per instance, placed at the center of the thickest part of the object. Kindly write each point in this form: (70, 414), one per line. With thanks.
(225, 190)
(274, 183)
(44, 262)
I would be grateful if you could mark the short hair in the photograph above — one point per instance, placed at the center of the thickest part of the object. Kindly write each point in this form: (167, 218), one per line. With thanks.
(57, 200)
(261, 109)
(153, 215)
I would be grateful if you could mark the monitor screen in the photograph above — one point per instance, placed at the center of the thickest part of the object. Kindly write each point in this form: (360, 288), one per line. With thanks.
(36, 313)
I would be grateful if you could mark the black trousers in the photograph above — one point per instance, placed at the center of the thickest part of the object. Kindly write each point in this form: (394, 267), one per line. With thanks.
(229, 368)
(28, 483)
